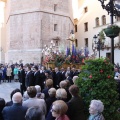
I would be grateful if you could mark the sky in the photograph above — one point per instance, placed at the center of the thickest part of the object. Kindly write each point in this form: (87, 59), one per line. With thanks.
(75, 9)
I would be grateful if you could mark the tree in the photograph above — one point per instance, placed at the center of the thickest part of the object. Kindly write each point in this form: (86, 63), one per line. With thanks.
(96, 81)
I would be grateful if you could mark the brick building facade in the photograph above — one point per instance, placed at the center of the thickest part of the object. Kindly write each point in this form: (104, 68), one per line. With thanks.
(30, 24)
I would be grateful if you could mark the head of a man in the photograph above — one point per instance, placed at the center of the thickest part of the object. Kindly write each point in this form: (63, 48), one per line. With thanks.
(17, 97)
(31, 91)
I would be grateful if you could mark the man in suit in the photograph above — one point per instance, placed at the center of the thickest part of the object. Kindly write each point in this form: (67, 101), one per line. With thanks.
(22, 79)
(16, 111)
(63, 74)
(42, 77)
(57, 77)
(34, 101)
(29, 80)
(74, 72)
(37, 76)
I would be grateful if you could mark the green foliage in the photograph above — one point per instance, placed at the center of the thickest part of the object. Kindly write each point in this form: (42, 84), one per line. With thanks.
(96, 81)
(101, 35)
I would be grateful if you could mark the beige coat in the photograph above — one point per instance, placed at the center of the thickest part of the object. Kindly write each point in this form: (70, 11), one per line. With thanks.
(9, 71)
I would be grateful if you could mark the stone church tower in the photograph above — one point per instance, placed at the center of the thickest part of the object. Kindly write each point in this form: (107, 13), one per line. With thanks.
(31, 24)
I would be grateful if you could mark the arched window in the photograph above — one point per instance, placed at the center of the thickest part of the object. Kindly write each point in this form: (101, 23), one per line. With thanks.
(103, 20)
(97, 21)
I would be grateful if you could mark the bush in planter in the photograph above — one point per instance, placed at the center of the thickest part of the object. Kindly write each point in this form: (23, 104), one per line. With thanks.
(112, 31)
(96, 81)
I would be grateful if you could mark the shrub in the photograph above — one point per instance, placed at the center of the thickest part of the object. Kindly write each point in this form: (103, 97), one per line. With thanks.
(96, 81)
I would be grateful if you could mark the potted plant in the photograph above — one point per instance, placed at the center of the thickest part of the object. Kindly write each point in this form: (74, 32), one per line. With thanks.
(112, 31)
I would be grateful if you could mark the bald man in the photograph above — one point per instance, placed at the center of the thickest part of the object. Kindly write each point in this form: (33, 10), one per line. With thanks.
(16, 111)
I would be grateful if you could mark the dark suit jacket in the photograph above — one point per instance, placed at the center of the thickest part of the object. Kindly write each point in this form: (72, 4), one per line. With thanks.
(29, 81)
(76, 109)
(22, 77)
(49, 102)
(74, 74)
(37, 78)
(57, 78)
(63, 75)
(14, 112)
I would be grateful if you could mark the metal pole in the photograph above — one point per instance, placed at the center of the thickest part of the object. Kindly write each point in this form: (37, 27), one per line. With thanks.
(112, 39)
(99, 47)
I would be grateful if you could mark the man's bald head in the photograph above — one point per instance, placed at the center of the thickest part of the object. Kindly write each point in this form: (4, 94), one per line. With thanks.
(17, 97)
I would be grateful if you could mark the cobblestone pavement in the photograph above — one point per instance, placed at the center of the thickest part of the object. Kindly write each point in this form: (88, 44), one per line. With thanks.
(6, 88)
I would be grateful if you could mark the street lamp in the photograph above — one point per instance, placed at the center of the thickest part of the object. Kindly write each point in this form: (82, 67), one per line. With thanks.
(113, 8)
(99, 42)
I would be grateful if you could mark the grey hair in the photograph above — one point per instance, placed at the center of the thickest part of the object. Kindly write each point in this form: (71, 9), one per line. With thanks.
(63, 84)
(38, 88)
(61, 93)
(75, 78)
(98, 105)
(52, 92)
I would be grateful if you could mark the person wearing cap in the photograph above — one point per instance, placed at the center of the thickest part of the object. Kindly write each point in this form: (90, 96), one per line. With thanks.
(16, 111)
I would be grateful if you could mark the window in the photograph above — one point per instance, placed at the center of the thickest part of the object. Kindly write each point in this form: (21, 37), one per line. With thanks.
(103, 20)
(75, 28)
(76, 43)
(97, 22)
(55, 7)
(117, 18)
(86, 42)
(85, 9)
(56, 42)
(86, 26)
(55, 27)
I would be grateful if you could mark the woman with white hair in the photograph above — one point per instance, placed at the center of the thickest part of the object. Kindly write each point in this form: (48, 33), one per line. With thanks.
(61, 94)
(39, 94)
(96, 108)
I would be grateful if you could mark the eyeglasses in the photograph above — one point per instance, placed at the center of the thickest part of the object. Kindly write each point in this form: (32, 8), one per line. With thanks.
(52, 110)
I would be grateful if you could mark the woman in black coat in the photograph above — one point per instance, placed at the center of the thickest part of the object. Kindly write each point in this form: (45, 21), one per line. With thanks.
(75, 105)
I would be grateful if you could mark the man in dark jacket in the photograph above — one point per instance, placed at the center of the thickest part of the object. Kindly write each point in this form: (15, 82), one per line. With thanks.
(22, 79)
(29, 80)
(37, 76)
(58, 78)
(16, 111)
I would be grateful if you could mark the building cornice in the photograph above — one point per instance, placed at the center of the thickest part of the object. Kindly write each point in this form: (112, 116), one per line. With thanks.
(41, 12)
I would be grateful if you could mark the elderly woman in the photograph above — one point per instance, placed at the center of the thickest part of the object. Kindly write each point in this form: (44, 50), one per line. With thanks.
(51, 98)
(34, 113)
(95, 110)
(61, 94)
(49, 84)
(63, 84)
(75, 78)
(39, 94)
(75, 105)
(59, 109)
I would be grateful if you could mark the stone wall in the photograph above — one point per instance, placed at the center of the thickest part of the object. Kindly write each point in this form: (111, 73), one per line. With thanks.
(30, 26)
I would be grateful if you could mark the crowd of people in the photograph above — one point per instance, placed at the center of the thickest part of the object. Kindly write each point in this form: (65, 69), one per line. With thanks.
(45, 94)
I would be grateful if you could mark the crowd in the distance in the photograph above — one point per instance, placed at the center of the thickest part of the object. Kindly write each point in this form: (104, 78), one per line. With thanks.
(46, 94)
